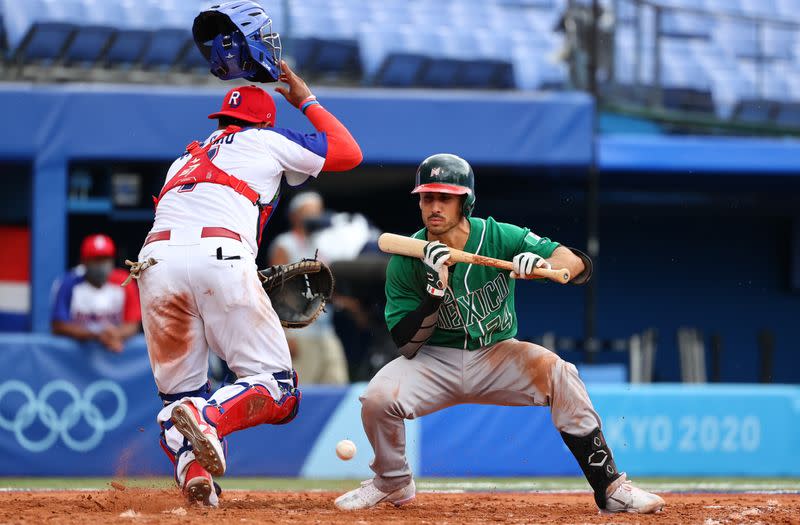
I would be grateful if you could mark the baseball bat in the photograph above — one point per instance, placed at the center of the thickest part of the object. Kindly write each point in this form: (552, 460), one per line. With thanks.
(410, 247)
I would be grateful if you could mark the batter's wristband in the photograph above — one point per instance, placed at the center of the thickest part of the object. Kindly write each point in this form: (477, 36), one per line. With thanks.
(307, 103)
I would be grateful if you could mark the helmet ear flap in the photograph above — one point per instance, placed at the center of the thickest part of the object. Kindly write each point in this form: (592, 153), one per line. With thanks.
(468, 204)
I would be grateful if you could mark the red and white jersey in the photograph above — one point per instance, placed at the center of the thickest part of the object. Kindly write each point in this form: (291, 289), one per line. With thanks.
(259, 157)
(78, 301)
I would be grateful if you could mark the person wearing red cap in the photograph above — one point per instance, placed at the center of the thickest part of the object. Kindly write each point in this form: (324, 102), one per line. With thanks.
(89, 303)
(200, 289)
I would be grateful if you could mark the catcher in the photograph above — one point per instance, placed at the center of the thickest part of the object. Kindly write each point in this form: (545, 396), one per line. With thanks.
(196, 270)
(455, 328)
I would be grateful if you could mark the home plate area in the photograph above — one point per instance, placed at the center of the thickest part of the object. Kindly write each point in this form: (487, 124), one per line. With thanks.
(459, 502)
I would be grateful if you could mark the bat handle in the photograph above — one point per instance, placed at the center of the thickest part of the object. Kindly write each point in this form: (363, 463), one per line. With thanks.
(558, 275)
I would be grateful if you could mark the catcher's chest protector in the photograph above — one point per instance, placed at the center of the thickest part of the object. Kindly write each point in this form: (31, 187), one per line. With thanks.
(201, 169)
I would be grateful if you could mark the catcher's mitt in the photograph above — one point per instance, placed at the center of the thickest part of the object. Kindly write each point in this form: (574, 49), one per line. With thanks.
(298, 291)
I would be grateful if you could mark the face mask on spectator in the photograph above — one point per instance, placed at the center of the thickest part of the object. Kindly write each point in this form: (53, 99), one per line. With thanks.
(97, 272)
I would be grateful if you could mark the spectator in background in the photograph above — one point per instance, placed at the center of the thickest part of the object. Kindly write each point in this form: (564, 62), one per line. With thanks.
(576, 24)
(90, 304)
(317, 352)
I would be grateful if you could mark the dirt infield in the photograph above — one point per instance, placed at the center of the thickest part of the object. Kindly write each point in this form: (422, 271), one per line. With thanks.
(129, 505)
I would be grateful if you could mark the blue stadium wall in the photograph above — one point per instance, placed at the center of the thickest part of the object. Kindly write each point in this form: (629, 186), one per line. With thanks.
(71, 410)
(723, 273)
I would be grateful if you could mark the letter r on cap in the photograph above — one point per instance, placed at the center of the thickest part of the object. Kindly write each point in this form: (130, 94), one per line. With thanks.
(234, 101)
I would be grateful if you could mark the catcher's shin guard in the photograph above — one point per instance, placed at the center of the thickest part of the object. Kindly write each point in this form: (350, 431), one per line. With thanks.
(254, 405)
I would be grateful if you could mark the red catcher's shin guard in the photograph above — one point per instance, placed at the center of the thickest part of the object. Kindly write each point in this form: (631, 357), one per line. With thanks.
(253, 406)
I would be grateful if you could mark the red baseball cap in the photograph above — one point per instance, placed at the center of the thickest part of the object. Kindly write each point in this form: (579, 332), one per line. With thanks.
(248, 103)
(97, 245)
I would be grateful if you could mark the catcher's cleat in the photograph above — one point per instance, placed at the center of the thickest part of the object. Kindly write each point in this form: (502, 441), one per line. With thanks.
(205, 443)
(624, 497)
(199, 487)
(367, 496)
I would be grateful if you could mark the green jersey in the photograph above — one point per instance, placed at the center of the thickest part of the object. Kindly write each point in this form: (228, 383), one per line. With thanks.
(478, 306)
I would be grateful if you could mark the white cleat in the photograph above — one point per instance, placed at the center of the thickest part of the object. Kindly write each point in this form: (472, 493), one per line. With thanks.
(367, 496)
(624, 497)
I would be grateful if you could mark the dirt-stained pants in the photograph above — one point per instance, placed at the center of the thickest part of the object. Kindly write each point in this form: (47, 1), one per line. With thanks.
(511, 373)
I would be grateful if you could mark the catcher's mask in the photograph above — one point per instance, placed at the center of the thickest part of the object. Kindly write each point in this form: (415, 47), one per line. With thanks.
(237, 40)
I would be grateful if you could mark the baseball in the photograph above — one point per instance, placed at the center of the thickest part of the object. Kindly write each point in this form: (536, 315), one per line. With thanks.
(345, 449)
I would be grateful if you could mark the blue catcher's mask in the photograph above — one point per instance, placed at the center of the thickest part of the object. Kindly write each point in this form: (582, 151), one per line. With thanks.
(237, 40)
(229, 57)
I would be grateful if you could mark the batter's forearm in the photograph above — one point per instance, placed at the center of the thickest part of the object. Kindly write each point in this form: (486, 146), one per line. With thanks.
(564, 258)
(417, 327)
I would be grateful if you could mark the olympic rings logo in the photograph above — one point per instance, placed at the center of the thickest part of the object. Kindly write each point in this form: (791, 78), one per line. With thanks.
(37, 407)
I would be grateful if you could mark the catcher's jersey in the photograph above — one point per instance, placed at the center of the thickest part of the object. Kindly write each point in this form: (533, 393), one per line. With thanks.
(260, 157)
(478, 306)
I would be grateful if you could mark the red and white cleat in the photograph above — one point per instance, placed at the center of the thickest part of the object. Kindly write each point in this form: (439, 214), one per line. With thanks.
(199, 487)
(624, 497)
(203, 437)
(367, 496)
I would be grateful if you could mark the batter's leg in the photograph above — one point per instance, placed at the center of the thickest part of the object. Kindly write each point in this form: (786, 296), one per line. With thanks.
(406, 389)
(519, 373)
(403, 389)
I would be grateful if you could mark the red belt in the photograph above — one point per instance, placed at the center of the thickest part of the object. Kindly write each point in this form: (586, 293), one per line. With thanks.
(208, 231)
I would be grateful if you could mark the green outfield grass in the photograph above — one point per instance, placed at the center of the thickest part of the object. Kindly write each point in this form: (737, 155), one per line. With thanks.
(423, 484)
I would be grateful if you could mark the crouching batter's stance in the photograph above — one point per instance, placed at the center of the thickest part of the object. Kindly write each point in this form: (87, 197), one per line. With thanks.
(455, 329)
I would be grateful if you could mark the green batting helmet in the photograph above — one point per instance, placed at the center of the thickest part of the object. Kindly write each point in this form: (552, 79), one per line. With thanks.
(446, 173)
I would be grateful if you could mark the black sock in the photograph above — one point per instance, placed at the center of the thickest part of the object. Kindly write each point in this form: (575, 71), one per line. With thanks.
(596, 462)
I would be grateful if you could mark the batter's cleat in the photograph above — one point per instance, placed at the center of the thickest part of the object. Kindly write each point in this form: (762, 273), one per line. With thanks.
(205, 443)
(624, 497)
(199, 487)
(367, 496)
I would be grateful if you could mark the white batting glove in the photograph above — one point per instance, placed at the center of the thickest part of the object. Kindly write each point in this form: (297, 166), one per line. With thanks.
(435, 255)
(524, 263)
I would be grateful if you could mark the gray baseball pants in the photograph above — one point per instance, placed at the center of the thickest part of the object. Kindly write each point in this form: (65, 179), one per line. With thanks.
(511, 373)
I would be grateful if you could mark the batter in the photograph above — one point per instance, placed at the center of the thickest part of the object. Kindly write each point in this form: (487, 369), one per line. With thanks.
(455, 328)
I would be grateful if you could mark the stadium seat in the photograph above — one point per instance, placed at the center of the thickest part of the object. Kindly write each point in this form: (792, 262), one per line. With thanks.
(440, 73)
(45, 41)
(774, 83)
(755, 111)
(338, 56)
(166, 47)
(778, 43)
(687, 99)
(89, 45)
(486, 74)
(685, 25)
(3, 38)
(128, 47)
(737, 36)
(760, 8)
(194, 60)
(724, 6)
(788, 115)
(401, 70)
(303, 52)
